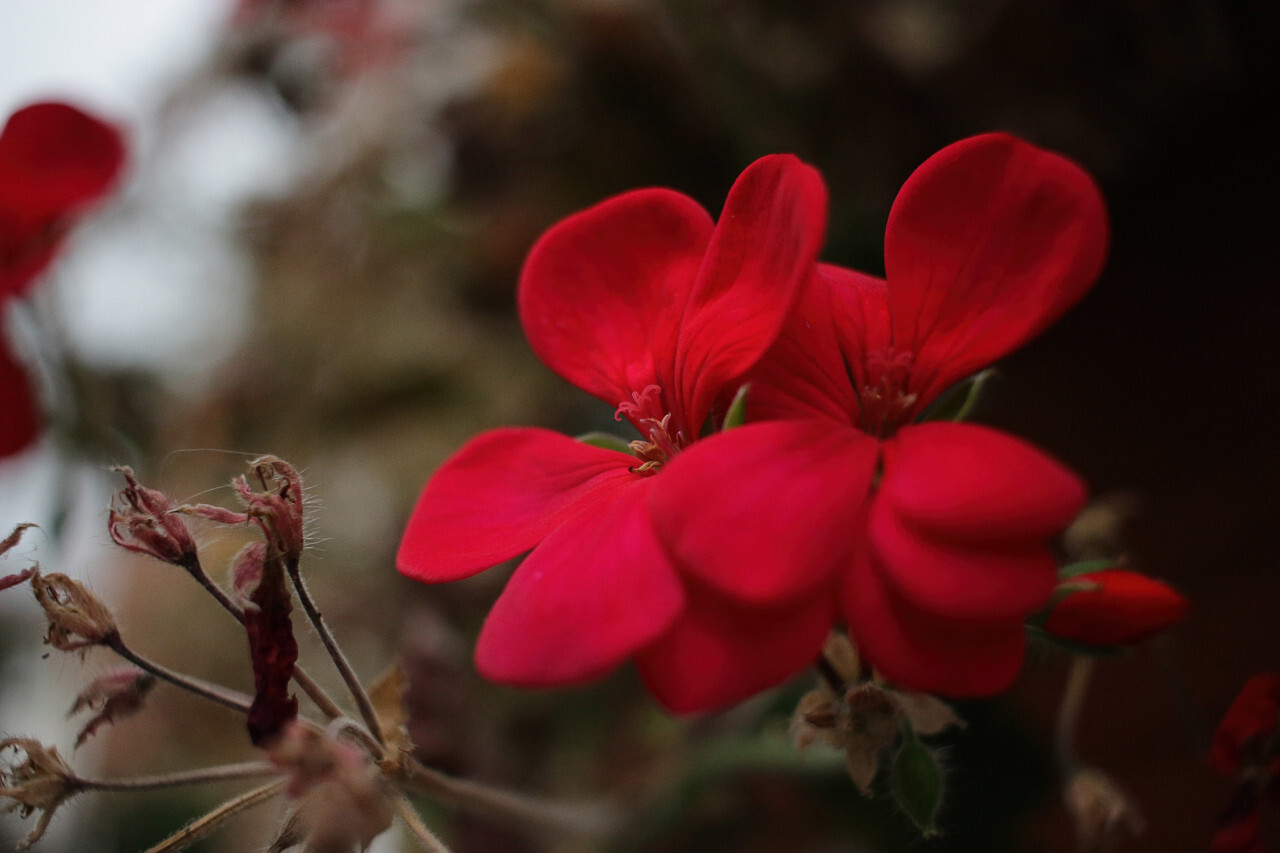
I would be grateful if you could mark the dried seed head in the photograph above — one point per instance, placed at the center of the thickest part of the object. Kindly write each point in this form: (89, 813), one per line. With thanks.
(38, 779)
(143, 520)
(77, 618)
(1100, 809)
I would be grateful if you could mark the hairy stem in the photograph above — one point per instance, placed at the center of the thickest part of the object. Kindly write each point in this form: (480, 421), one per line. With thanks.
(413, 822)
(1069, 713)
(223, 696)
(200, 827)
(348, 674)
(222, 773)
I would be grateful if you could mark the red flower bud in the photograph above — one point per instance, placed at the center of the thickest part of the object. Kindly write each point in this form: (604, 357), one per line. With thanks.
(1250, 721)
(1115, 607)
(142, 520)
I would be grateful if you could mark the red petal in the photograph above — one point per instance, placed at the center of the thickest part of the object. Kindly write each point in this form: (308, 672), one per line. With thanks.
(500, 495)
(764, 512)
(587, 598)
(988, 242)
(924, 652)
(53, 157)
(817, 365)
(1126, 607)
(602, 293)
(1251, 717)
(763, 250)
(719, 653)
(961, 582)
(19, 420)
(972, 485)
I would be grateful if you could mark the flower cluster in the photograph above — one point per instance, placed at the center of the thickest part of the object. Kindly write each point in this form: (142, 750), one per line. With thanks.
(719, 556)
(55, 161)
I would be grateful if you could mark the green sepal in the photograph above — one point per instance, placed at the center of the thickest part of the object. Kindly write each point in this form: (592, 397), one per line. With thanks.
(916, 782)
(958, 401)
(1075, 647)
(1071, 570)
(737, 409)
(607, 440)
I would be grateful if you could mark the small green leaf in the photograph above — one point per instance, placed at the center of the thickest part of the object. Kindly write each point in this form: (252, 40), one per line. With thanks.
(607, 440)
(737, 409)
(1071, 570)
(958, 402)
(916, 782)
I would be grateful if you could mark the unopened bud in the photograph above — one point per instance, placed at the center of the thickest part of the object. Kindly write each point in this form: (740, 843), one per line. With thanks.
(115, 694)
(77, 618)
(143, 520)
(343, 801)
(38, 779)
(1114, 607)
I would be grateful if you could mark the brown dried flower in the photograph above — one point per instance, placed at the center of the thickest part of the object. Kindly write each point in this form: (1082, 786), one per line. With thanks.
(37, 780)
(143, 520)
(115, 694)
(77, 618)
(1100, 809)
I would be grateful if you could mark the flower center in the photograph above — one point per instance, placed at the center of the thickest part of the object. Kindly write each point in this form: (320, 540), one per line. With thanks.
(884, 400)
(647, 414)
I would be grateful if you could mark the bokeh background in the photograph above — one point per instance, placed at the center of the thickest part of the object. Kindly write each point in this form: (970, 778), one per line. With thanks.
(314, 254)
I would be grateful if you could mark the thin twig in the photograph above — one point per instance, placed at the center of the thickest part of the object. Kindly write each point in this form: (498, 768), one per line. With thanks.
(222, 773)
(309, 686)
(589, 819)
(418, 829)
(200, 827)
(348, 674)
(1069, 713)
(223, 696)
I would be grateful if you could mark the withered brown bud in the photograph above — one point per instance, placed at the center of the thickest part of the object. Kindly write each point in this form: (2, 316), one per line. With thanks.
(343, 800)
(38, 779)
(278, 507)
(143, 520)
(77, 618)
(1100, 809)
(115, 694)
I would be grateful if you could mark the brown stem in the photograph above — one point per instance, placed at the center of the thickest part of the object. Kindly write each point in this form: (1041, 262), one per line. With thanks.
(200, 827)
(245, 770)
(1069, 713)
(223, 696)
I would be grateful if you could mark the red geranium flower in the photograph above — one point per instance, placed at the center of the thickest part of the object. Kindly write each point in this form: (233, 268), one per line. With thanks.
(54, 161)
(645, 304)
(1115, 607)
(1241, 738)
(929, 537)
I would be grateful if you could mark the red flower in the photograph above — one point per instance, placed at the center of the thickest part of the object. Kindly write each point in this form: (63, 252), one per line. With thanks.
(641, 302)
(1248, 724)
(928, 538)
(1115, 607)
(54, 162)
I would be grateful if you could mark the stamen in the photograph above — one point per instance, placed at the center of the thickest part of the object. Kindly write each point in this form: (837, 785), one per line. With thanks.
(884, 400)
(660, 442)
(639, 404)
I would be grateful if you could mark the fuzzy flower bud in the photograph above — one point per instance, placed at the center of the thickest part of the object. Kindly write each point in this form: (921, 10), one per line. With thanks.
(1115, 607)
(342, 800)
(142, 520)
(117, 693)
(38, 779)
(77, 618)
(277, 509)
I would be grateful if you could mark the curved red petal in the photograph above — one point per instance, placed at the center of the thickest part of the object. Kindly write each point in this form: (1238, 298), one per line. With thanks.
(961, 581)
(54, 157)
(19, 419)
(969, 484)
(817, 365)
(988, 242)
(1123, 607)
(718, 653)
(602, 293)
(764, 512)
(594, 592)
(500, 495)
(923, 652)
(764, 248)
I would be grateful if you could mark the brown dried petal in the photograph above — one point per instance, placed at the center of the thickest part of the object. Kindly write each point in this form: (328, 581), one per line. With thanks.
(387, 694)
(928, 715)
(862, 759)
(77, 618)
(815, 720)
(114, 695)
(13, 538)
(842, 655)
(1100, 809)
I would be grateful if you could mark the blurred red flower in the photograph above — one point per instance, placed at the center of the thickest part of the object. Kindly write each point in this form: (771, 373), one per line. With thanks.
(55, 161)
(1115, 607)
(1249, 722)
(643, 303)
(929, 537)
